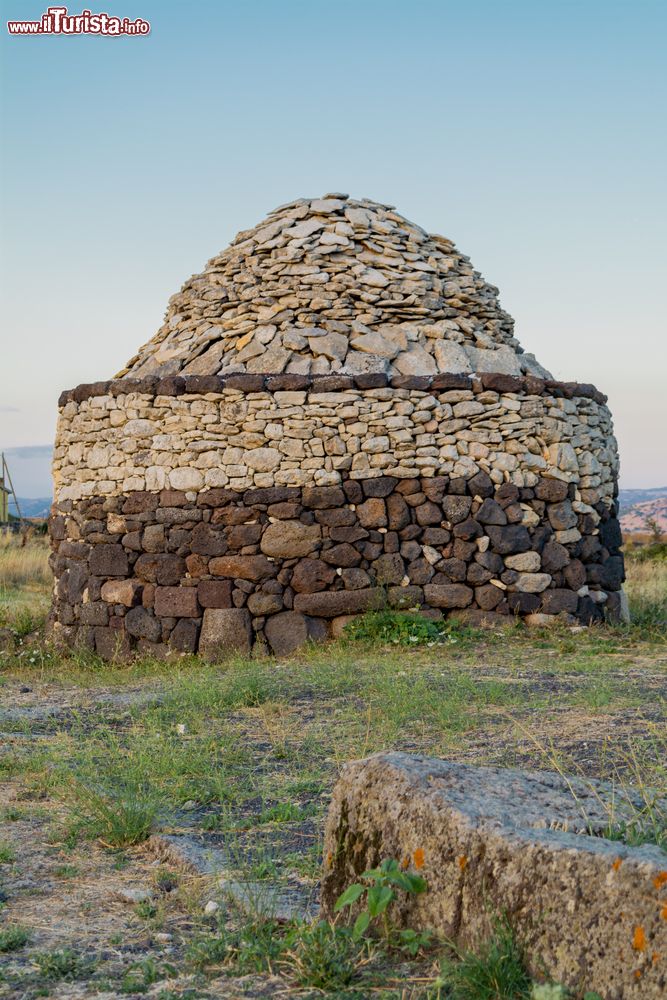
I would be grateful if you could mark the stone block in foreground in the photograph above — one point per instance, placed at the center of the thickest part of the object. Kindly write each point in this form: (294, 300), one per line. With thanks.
(591, 913)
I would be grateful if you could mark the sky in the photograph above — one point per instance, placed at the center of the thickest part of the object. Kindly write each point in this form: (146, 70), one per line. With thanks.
(530, 133)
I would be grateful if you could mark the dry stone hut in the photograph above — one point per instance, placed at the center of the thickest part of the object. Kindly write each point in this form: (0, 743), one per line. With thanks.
(334, 416)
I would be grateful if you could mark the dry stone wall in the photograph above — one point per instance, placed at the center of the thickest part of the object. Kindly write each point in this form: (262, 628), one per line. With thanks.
(255, 512)
(254, 431)
(334, 415)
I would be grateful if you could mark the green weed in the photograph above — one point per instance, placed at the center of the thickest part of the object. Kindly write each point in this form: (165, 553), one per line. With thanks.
(117, 819)
(253, 946)
(379, 890)
(322, 956)
(496, 971)
(62, 964)
(13, 937)
(7, 853)
(404, 628)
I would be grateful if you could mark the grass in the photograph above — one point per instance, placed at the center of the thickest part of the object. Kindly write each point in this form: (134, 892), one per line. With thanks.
(119, 818)
(25, 577)
(243, 755)
(12, 938)
(63, 964)
(7, 853)
(496, 970)
(324, 957)
(647, 588)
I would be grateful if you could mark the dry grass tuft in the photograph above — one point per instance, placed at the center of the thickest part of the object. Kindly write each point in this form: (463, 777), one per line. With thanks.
(24, 565)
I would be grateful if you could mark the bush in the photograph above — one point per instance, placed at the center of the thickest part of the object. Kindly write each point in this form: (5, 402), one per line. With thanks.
(404, 628)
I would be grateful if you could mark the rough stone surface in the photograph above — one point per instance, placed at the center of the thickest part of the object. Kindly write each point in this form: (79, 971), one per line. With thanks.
(443, 316)
(225, 631)
(589, 911)
(286, 632)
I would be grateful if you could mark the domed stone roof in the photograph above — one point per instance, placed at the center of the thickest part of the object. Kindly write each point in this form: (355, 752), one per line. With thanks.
(334, 284)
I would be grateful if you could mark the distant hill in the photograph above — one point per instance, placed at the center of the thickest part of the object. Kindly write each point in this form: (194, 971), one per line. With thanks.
(639, 506)
(33, 507)
(629, 498)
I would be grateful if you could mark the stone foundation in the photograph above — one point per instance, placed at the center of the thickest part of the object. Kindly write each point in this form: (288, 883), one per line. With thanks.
(220, 570)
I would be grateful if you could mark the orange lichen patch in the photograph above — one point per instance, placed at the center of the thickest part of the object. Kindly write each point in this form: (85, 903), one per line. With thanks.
(617, 864)
(418, 858)
(639, 939)
(663, 913)
(638, 973)
(329, 859)
(655, 958)
(660, 880)
(405, 863)
(463, 862)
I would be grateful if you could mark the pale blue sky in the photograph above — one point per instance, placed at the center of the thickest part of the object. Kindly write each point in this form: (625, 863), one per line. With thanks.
(531, 133)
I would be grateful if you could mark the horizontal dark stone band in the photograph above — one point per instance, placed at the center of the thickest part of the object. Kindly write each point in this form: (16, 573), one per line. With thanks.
(179, 385)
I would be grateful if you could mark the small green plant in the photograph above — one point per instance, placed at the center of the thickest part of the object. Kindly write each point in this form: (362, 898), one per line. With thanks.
(323, 956)
(117, 819)
(646, 825)
(24, 623)
(13, 937)
(66, 871)
(62, 964)
(7, 853)
(146, 910)
(252, 946)
(283, 812)
(140, 977)
(404, 628)
(264, 868)
(11, 814)
(247, 689)
(380, 888)
(496, 971)
(167, 881)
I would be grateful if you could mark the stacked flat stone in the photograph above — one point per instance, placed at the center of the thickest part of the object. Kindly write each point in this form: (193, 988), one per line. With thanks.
(335, 285)
(245, 482)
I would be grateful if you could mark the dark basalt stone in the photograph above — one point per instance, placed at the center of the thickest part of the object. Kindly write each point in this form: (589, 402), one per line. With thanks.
(331, 604)
(371, 380)
(510, 539)
(332, 383)
(289, 382)
(142, 624)
(190, 557)
(481, 485)
(246, 382)
(380, 487)
(108, 560)
(554, 557)
(491, 513)
(556, 601)
(456, 508)
(501, 383)
(321, 497)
